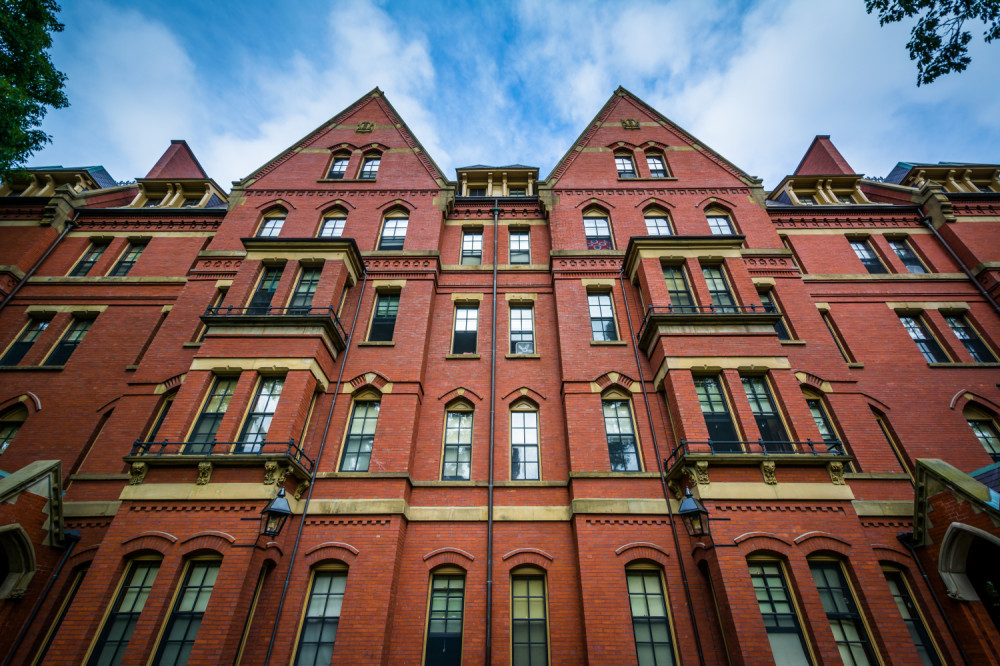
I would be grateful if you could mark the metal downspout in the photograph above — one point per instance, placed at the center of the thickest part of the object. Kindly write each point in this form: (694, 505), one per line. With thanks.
(62, 234)
(663, 478)
(493, 385)
(315, 469)
(961, 264)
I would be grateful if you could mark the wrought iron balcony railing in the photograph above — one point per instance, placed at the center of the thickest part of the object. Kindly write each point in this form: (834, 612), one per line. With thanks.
(258, 314)
(755, 448)
(222, 451)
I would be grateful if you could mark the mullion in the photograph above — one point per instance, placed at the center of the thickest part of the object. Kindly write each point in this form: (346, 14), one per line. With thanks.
(457, 446)
(24, 342)
(618, 428)
(128, 605)
(185, 620)
(360, 437)
(258, 420)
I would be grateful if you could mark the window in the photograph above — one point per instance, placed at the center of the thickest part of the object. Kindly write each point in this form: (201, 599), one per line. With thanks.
(89, 258)
(987, 435)
(384, 318)
(444, 620)
(161, 417)
(466, 329)
(788, 645)
(477, 191)
(842, 612)
(524, 442)
(393, 233)
(457, 457)
(906, 254)
(202, 437)
(772, 431)
(152, 203)
(622, 448)
(890, 438)
(650, 621)
(626, 169)
(658, 224)
(529, 627)
(867, 255)
(258, 420)
(825, 427)
(338, 167)
(807, 199)
(718, 288)
(602, 318)
(472, 248)
(260, 303)
(128, 260)
(657, 167)
(522, 330)
(925, 342)
(517, 192)
(322, 616)
(10, 422)
(520, 246)
(911, 617)
(302, 297)
(332, 226)
(719, 224)
(192, 599)
(842, 347)
(721, 430)
(767, 300)
(369, 169)
(360, 437)
(964, 332)
(846, 199)
(597, 232)
(191, 202)
(125, 611)
(23, 343)
(270, 226)
(69, 342)
(677, 286)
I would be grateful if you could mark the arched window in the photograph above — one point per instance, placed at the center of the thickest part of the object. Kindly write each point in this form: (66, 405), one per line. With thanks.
(318, 632)
(849, 629)
(369, 166)
(332, 225)
(359, 439)
(529, 625)
(188, 612)
(912, 616)
(657, 222)
(445, 616)
(271, 223)
(457, 454)
(597, 229)
(657, 165)
(720, 222)
(778, 609)
(338, 165)
(624, 164)
(821, 417)
(394, 229)
(619, 428)
(983, 425)
(524, 441)
(651, 624)
(125, 610)
(10, 422)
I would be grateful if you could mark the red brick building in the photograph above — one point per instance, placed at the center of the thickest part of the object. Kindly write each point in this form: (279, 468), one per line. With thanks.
(484, 399)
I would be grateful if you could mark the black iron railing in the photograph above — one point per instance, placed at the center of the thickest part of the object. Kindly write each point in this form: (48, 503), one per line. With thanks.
(293, 311)
(757, 447)
(166, 448)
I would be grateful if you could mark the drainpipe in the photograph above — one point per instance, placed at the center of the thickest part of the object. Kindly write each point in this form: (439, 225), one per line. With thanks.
(663, 477)
(315, 469)
(961, 264)
(17, 287)
(493, 385)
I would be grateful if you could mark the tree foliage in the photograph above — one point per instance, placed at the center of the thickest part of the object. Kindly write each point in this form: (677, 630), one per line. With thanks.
(29, 83)
(937, 42)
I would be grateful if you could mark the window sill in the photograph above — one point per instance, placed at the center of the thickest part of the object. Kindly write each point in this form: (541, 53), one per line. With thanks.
(462, 357)
(856, 365)
(377, 343)
(345, 180)
(191, 344)
(608, 343)
(523, 356)
(963, 365)
(628, 179)
(131, 368)
(792, 342)
(31, 368)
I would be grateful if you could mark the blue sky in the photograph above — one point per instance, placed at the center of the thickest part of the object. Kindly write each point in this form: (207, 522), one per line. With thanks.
(500, 83)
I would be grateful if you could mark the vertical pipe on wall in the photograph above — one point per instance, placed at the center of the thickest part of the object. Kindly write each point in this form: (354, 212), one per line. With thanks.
(493, 385)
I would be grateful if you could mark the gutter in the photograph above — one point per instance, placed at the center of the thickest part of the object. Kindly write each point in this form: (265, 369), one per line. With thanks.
(69, 226)
(493, 384)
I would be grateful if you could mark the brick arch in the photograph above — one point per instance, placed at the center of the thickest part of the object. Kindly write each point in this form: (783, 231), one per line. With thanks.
(404, 205)
(371, 379)
(274, 204)
(218, 542)
(716, 202)
(615, 379)
(894, 556)
(83, 556)
(169, 384)
(523, 392)
(337, 205)
(753, 542)
(813, 542)
(332, 550)
(964, 398)
(449, 555)
(654, 144)
(595, 205)
(373, 147)
(341, 147)
(467, 394)
(616, 146)
(158, 542)
(642, 550)
(653, 202)
(28, 400)
(522, 556)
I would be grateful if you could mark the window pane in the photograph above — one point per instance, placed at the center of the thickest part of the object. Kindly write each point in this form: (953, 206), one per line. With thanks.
(650, 625)
(720, 225)
(182, 627)
(522, 334)
(466, 328)
(602, 317)
(658, 226)
(718, 287)
(969, 338)
(258, 420)
(912, 619)
(384, 318)
(393, 234)
(529, 640)
(333, 227)
(772, 430)
(721, 430)
(360, 437)
(845, 621)
(125, 613)
(622, 447)
(597, 232)
(520, 247)
(524, 446)
(907, 256)
(927, 345)
(319, 628)
(444, 626)
(677, 286)
(867, 256)
(780, 620)
(472, 247)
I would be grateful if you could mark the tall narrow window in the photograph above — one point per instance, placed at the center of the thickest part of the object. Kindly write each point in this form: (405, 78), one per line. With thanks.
(472, 248)
(338, 167)
(788, 645)
(966, 334)
(260, 303)
(911, 617)
(837, 340)
(89, 258)
(721, 430)
(185, 620)
(302, 297)
(202, 438)
(10, 422)
(466, 330)
(161, 416)
(258, 420)
(906, 254)
(681, 299)
(658, 224)
(529, 626)
(842, 612)
(128, 260)
(393, 233)
(522, 330)
(657, 166)
(125, 611)
(597, 232)
(625, 166)
(520, 246)
(867, 255)
(24, 342)
(457, 458)
(444, 620)
(650, 621)
(825, 427)
(524, 444)
(718, 288)
(619, 429)
(892, 441)
(767, 300)
(720, 224)
(332, 227)
(270, 226)
(765, 413)
(602, 318)
(986, 433)
(360, 437)
(319, 627)
(369, 169)
(384, 318)
(69, 342)
(925, 342)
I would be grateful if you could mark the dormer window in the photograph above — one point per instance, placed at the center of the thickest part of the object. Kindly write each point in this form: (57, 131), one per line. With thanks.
(846, 199)
(477, 191)
(518, 192)
(369, 169)
(191, 202)
(152, 203)
(657, 166)
(338, 168)
(807, 199)
(625, 166)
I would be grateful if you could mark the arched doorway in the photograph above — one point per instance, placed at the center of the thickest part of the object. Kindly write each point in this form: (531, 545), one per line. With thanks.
(984, 574)
(968, 567)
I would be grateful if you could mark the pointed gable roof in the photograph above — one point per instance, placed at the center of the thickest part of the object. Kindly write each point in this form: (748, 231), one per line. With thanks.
(617, 98)
(375, 96)
(177, 162)
(823, 159)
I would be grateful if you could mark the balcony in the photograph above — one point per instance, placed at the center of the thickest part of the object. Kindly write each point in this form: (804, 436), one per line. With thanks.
(290, 317)
(698, 315)
(753, 452)
(234, 454)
